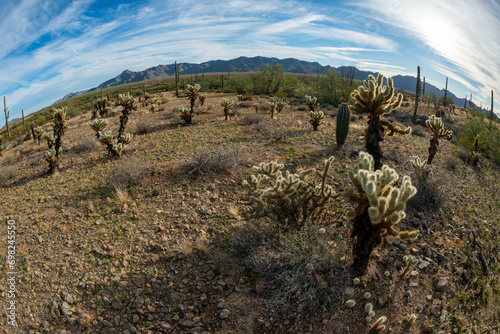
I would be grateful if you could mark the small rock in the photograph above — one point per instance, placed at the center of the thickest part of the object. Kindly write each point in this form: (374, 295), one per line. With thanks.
(155, 193)
(436, 310)
(442, 285)
(187, 323)
(407, 294)
(135, 318)
(116, 304)
(195, 330)
(224, 314)
(423, 264)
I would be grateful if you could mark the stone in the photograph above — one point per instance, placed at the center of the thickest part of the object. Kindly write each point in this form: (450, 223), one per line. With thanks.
(116, 304)
(442, 285)
(224, 314)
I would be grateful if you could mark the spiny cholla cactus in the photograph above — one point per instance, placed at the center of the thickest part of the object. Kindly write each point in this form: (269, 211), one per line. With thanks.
(153, 107)
(38, 132)
(49, 137)
(128, 103)
(202, 98)
(378, 326)
(311, 102)
(410, 261)
(59, 125)
(374, 100)
(421, 168)
(256, 106)
(227, 105)
(192, 94)
(436, 126)
(280, 103)
(291, 199)
(186, 115)
(98, 125)
(317, 118)
(475, 154)
(101, 107)
(379, 207)
(272, 106)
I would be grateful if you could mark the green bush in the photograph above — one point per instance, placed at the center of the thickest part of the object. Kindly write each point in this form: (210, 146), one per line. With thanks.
(489, 140)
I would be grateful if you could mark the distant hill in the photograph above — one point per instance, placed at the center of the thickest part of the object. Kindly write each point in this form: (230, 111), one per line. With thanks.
(249, 64)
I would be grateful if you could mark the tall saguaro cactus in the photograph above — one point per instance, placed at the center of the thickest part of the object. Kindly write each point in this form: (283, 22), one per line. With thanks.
(436, 126)
(378, 208)
(176, 81)
(417, 91)
(491, 115)
(445, 92)
(375, 100)
(6, 111)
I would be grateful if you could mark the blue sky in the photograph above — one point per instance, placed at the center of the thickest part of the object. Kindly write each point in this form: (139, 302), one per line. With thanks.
(53, 47)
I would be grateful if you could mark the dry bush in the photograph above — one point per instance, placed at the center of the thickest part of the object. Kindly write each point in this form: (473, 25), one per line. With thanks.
(6, 174)
(419, 131)
(127, 174)
(86, 145)
(206, 163)
(143, 128)
(451, 162)
(430, 193)
(251, 119)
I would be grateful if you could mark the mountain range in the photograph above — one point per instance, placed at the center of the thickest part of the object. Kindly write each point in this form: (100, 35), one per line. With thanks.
(249, 64)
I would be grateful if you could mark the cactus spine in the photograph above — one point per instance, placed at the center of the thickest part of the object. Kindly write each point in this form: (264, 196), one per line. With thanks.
(379, 207)
(374, 100)
(343, 119)
(436, 126)
(6, 111)
(417, 91)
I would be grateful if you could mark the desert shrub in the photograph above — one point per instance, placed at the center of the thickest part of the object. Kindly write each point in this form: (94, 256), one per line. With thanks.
(205, 163)
(250, 119)
(6, 174)
(430, 192)
(300, 272)
(127, 174)
(143, 128)
(85, 145)
(489, 140)
(419, 131)
(451, 162)
(290, 200)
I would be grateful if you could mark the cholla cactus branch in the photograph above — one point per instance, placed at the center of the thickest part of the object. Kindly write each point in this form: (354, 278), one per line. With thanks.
(101, 107)
(49, 137)
(290, 198)
(435, 124)
(317, 118)
(378, 208)
(192, 94)
(128, 103)
(38, 132)
(98, 125)
(272, 106)
(59, 126)
(375, 100)
(186, 115)
(410, 262)
(202, 98)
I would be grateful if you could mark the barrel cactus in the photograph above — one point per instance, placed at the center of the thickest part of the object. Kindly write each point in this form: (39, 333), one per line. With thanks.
(343, 119)
(375, 100)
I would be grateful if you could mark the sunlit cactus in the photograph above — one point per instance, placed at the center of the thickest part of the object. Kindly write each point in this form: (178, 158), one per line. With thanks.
(192, 94)
(375, 100)
(280, 103)
(291, 199)
(227, 105)
(153, 107)
(256, 106)
(410, 261)
(240, 97)
(101, 107)
(186, 115)
(49, 138)
(435, 124)
(202, 98)
(273, 106)
(378, 326)
(125, 139)
(128, 103)
(311, 102)
(351, 303)
(38, 132)
(316, 119)
(410, 319)
(378, 208)
(343, 120)
(59, 125)
(98, 125)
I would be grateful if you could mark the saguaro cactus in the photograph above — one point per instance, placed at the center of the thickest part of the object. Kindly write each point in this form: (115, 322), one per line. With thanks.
(343, 119)
(378, 208)
(417, 91)
(32, 126)
(445, 92)
(6, 111)
(59, 125)
(374, 100)
(176, 81)
(436, 126)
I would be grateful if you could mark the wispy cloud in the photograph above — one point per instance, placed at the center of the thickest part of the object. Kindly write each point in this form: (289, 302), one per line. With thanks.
(462, 37)
(80, 51)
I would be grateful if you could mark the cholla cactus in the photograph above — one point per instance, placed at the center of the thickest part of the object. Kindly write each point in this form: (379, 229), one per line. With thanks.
(38, 132)
(202, 98)
(101, 107)
(280, 104)
(227, 105)
(436, 126)
(411, 319)
(311, 102)
(256, 106)
(378, 326)
(240, 97)
(192, 94)
(128, 103)
(116, 150)
(410, 262)
(379, 207)
(291, 199)
(317, 118)
(98, 125)
(272, 106)
(59, 125)
(186, 115)
(125, 139)
(374, 100)
(153, 107)
(475, 154)
(49, 137)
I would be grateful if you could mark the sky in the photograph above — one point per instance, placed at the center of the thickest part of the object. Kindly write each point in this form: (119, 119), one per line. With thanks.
(50, 48)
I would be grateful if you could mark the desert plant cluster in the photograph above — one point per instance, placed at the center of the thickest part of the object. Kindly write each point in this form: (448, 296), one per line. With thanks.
(256, 203)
